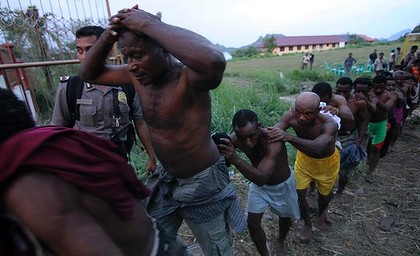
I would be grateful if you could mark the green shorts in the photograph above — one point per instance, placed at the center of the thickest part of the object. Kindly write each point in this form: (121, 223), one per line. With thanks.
(378, 130)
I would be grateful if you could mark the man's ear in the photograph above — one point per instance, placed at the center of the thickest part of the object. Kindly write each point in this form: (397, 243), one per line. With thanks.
(259, 124)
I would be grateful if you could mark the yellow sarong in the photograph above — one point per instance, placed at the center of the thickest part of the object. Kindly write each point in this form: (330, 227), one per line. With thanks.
(324, 171)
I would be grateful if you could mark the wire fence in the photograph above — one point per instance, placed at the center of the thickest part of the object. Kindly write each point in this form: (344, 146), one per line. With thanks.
(42, 33)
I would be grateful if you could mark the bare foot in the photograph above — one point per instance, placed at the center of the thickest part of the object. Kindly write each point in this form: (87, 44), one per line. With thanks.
(326, 217)
(369, 178)
(321, 223)
(304, 234)
(279, 247)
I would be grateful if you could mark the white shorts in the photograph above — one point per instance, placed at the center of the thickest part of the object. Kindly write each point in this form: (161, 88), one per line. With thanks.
(281, 198)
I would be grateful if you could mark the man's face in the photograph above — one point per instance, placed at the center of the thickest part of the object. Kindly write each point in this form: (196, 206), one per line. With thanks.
(379, 88)
(305, 116)
(399, 78)
(83, 44)
(248, 135)
(363, 88)
(390, 85)
(343, 90)
(146, 61)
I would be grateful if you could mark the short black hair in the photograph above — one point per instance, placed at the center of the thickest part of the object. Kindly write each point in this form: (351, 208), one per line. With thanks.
(387, 74)
(89, 31)
(344, 81)
(243, 116)
(379, 79)
(363, 80)
(14, 115)
(323, 89)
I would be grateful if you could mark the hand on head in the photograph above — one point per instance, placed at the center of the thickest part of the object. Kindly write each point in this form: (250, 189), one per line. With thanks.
(133, 18)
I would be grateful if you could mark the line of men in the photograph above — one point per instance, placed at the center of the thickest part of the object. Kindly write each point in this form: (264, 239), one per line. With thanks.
(172, 70)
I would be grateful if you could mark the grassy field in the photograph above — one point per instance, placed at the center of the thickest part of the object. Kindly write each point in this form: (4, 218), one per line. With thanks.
(290, 62)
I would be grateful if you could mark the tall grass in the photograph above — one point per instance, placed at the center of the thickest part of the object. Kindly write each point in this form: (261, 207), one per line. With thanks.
(261, 98)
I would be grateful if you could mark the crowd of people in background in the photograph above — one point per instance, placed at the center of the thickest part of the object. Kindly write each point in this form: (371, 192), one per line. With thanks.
(89, 188)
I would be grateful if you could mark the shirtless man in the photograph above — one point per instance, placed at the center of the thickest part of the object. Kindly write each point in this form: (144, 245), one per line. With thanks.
(378, 122)
(390, 86)
(336, 105)
(404, 90)
(273, 184)
(192, 183)
(363, 91)
(317, 157)
(77, 199)
(351, 140)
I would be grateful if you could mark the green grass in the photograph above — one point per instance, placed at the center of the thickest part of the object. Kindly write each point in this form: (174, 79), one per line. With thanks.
(291, 62)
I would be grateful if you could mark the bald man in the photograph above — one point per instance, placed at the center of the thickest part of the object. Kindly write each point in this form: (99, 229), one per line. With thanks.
(317, 158)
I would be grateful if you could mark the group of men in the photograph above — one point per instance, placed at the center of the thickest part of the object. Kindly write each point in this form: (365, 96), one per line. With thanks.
(172, 70)
(77, 195)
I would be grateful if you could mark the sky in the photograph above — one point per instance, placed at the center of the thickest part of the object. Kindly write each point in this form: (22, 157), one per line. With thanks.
(236, 23)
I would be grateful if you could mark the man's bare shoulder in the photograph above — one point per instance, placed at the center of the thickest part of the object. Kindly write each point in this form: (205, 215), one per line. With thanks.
(327, 124)
(338, 100)
(288, 116)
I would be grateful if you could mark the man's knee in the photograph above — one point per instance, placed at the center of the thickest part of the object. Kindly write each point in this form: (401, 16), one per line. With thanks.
(254, 221)
(325, 198)
(301, 194)
(214, 236)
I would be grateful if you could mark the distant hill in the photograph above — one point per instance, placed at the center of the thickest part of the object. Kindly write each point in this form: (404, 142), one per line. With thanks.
(397, 36)
(260, 40)
(229, 50)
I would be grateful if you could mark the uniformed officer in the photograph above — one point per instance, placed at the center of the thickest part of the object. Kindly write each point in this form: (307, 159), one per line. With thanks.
(102, 110)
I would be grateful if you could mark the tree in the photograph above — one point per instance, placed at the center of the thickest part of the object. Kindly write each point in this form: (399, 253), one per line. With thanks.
(355, 39)
(270, 43)
(248, 52)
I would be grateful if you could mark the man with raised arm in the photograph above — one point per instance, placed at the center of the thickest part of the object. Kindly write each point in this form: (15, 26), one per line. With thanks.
(317, 158)
(173, 71)
(273, 184)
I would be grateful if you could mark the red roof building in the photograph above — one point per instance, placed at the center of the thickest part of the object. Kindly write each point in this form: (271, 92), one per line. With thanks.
(293, 44)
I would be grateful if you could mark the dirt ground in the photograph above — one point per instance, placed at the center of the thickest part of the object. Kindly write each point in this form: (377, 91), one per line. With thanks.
(355, 229)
